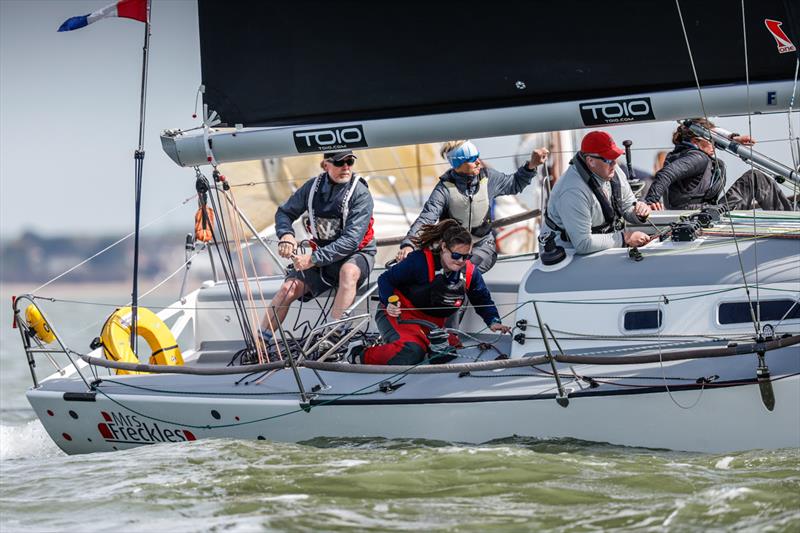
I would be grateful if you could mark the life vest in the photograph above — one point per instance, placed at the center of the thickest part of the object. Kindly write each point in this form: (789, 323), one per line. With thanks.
(444, 293)
(612, 209)
(327, 218)
(472, 211)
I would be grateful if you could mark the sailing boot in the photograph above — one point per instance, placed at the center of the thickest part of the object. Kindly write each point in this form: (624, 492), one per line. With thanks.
(356, 355)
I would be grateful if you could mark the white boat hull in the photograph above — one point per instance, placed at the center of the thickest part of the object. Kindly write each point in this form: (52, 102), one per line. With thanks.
(726, 415)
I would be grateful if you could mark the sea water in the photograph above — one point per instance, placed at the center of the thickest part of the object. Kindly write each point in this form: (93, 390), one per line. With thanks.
(334, 484)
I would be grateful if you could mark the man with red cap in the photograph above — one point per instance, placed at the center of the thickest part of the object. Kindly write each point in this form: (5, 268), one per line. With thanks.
(592, 200)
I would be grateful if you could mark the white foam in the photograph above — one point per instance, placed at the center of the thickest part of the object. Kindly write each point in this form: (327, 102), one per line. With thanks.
(346, 463)
(28, 440)
(285, 498)
(724, 463)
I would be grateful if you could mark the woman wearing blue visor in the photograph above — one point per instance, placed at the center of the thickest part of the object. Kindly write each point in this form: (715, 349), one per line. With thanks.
(465, 193)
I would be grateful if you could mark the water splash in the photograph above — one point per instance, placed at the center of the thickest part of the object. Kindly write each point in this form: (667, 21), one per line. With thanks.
(26, 441)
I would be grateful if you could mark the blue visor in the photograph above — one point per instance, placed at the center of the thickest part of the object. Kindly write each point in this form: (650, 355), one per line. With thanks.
(466, 153)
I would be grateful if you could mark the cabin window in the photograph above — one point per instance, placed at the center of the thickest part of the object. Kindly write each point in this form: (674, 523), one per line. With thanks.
(639, 319)
(771, 311)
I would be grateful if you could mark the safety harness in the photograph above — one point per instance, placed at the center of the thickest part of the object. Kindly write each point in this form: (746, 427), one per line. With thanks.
(443, 294)
(325, 223)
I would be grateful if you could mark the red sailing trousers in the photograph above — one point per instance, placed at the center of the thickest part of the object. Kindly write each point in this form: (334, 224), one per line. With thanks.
(404, 344)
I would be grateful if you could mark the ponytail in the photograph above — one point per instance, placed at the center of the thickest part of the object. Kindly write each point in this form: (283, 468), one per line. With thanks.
(684, 134)
(448, 231)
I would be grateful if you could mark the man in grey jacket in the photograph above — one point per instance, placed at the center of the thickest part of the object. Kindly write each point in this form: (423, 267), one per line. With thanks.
(465, 193)
(339, 207)
(592, 199)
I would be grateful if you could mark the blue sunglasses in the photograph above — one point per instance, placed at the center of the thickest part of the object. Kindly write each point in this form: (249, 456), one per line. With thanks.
(457, 256)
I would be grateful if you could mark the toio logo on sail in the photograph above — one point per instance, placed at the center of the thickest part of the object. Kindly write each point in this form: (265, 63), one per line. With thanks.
(328, 139)
(616, 111)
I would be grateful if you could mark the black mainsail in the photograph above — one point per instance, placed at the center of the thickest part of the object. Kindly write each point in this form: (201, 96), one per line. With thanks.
(310, 76)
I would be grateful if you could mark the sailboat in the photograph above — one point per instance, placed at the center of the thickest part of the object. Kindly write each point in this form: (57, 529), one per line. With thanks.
(690, 343)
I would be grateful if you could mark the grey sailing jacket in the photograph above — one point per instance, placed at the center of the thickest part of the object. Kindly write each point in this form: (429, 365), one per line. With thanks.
(436, 208)
(353, 231)
(572, 206)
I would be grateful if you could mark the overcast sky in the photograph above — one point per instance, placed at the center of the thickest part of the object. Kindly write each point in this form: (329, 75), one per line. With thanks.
(69, 105)
(69, 110)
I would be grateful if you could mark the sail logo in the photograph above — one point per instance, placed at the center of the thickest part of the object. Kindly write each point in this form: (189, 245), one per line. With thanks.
(129, 429)
(785, 44)
(617, 111)
(328, 139)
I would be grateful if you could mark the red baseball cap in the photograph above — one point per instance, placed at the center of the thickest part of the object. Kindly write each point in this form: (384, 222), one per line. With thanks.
(601, 143)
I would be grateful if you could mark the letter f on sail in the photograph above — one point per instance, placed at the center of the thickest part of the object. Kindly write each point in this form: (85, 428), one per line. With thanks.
(785, 45)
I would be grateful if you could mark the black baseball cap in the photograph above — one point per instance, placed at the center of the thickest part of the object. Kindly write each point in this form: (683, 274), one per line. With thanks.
(338, 156)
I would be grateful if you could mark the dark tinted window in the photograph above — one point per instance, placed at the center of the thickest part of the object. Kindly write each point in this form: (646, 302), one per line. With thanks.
(771, 310)
(644, 319)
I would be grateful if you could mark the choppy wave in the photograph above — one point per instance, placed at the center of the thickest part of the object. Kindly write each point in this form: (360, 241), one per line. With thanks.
(396, 484)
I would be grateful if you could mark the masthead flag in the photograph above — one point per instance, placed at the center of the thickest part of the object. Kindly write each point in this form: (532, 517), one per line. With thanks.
(131, 9)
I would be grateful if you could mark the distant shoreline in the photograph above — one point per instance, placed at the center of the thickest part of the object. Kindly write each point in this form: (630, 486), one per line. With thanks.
(111, 288)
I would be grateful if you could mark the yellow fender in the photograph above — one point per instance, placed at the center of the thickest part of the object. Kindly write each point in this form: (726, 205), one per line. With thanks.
(39, 325)
(116, 339)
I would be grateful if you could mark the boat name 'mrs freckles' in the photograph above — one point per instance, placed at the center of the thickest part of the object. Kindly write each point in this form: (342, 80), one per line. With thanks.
(326, 139)
(122, 428)
(617, 111)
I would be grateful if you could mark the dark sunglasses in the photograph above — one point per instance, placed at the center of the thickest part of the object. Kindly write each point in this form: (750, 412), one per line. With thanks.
(350, 161)
(457, 256)
(603, 159)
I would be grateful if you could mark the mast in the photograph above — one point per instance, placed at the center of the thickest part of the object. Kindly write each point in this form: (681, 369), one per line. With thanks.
(138, 163)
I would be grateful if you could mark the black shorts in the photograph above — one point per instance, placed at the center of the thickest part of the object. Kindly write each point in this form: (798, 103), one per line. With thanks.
(321, 279)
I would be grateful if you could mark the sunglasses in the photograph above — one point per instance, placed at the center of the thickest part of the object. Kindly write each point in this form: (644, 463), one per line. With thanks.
(457, 256)
(603, 159)
(350, 161)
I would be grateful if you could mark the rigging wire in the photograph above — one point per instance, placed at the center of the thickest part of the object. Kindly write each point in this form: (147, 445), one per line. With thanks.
(794, 146)
(752, 170)
(226, 260)
(716, 163)
(112, 245)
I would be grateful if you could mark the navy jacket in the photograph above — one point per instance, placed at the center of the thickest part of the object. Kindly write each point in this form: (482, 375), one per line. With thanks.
(413, 270)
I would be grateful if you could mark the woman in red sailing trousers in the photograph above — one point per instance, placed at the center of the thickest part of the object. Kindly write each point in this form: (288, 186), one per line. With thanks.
(431, 284)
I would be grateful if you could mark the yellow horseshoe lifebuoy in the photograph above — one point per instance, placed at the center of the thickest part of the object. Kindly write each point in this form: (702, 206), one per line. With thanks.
(116, 338)
(39, 325)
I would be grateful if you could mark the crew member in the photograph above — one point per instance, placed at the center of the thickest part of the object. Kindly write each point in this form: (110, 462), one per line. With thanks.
(465, 193)
(431, 284)
(592, 200)
(693, 176)
(339, 208)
